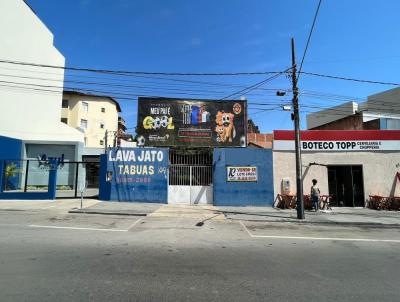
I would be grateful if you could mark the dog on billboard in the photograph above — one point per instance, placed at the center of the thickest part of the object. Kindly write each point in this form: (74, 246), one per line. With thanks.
(220, 133)
(225, 120)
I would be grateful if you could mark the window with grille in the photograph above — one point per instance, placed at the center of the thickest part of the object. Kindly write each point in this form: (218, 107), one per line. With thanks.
(85, 106)
(65, 104)
(190, 167)
(84, 124)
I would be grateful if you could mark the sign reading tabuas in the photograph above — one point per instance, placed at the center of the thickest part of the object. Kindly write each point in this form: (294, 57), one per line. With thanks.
(137, 165)
(195, 123)
(245, 174)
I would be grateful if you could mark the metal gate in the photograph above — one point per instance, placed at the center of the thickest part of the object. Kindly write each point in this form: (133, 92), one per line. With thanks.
(190, 177)
(76, 176)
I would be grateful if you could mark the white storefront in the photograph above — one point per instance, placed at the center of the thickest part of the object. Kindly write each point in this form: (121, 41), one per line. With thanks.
(349, 165)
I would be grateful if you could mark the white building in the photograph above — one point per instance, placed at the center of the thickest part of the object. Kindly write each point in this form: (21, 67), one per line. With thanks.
(350, 166)
(93, 115)
(31, 96)
(381, 111)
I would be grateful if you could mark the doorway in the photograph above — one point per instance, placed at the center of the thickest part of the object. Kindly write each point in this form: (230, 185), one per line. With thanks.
(190, 176)
(346, 187)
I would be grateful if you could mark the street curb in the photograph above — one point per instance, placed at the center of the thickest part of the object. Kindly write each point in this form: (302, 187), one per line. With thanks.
(345, 224)
(105, 213)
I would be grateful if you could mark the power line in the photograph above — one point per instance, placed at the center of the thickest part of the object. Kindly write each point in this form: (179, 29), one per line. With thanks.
(308, 40)
(179, 81)
(349, 79)
(256, 85)
(122, 86)
(125, 72)
(117, 95)
(168, 87)
(130, 96)
(147, 74)
(126, 95)
(332, 111)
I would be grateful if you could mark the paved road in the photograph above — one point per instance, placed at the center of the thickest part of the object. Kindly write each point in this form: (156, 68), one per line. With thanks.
(48, 255)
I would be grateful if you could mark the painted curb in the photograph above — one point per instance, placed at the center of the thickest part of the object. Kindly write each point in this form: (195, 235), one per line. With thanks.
(106, 213)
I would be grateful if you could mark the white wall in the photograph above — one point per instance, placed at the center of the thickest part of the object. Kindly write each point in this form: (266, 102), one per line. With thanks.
(385, 102)
(379, 170)
(25, 113)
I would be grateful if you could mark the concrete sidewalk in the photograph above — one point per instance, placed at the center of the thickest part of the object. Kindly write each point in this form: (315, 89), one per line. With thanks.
(151, 209)
(340, 216)
(118, 208)
(61, 205)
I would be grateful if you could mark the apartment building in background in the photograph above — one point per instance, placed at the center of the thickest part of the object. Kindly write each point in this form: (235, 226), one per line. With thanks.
(124, 139)
(93, 115)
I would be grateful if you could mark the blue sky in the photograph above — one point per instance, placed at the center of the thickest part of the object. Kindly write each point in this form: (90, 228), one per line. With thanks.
(358, 38)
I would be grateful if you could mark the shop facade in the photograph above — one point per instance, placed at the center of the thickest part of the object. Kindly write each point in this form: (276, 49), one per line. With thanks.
(219, 176)
(350, 166)
(190, 152)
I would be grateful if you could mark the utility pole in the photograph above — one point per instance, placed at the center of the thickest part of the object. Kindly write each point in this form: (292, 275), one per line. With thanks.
(296, 120)
(115, 144)
(105, 142)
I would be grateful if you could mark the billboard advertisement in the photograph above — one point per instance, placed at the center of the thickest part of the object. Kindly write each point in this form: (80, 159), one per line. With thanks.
(195, 123)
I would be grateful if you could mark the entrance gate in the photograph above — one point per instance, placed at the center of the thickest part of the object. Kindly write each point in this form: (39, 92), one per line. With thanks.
(190, 176)
(77, 174)
(346, 185)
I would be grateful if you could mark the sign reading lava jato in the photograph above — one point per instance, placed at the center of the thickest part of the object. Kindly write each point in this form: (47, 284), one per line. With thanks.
(195, 123)
(246, 174)
(137, 165)
(329, 140)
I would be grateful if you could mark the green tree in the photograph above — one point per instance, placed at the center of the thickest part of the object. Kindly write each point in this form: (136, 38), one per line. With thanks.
(11, 170)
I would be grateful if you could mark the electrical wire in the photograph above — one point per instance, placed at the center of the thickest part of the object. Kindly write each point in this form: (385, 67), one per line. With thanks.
(119, 94)
(308, 40)
(350, 79)
(125, 72)
(256, 85)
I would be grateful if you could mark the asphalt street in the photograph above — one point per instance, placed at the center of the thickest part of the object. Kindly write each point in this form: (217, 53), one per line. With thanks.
(49, 255)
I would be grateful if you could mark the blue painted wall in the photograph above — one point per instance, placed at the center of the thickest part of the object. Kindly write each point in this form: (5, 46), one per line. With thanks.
(260, 193)
(50, 194)
(138, 175)
(10, 148)
(10, 154)
(104, 185)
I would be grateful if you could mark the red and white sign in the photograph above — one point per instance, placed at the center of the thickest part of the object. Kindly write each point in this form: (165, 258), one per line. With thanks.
(339, 140)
